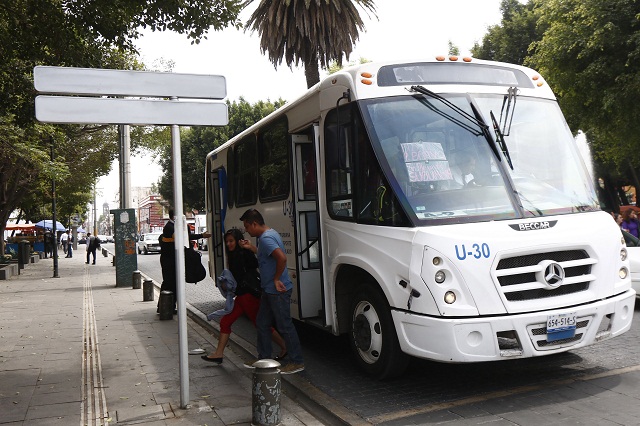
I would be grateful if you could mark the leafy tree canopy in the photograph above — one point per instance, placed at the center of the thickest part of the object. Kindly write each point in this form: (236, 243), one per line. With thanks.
(590, 55)
(308, 31)
(75, 33)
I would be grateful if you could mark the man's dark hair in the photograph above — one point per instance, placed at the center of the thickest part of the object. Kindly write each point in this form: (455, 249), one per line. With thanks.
(251, 216)
(171, 214)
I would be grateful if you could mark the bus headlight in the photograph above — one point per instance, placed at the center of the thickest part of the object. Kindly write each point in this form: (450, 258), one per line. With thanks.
(623, 254)
(449, 297)
(623, 273)
(440, 277)
(436, 261)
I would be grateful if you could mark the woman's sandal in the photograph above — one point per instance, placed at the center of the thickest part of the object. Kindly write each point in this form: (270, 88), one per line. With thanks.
(216, 360)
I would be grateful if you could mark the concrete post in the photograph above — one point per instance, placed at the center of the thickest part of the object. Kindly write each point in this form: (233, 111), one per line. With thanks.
(136, 280)
(147, 291)
(266, 393)
(166, 304)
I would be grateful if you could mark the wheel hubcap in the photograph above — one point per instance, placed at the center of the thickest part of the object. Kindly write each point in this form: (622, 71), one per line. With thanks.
(367, 332)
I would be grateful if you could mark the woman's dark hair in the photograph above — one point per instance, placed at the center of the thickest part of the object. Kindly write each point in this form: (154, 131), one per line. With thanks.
(236, 234)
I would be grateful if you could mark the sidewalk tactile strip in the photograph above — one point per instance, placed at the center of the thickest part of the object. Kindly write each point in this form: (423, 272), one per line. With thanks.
(94, 403)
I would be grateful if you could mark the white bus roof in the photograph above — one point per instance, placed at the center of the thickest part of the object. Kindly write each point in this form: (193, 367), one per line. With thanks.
(375, 80)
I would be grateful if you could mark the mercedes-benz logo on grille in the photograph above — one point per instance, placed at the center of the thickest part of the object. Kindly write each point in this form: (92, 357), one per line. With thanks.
(553, 275)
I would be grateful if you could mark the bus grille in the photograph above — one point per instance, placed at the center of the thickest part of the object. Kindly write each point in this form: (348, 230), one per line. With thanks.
(517, 275)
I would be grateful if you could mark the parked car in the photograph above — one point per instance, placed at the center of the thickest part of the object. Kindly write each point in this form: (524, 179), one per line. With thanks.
(149, 243)
(633, 251)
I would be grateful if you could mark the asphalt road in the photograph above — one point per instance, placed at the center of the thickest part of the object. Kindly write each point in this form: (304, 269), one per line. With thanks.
(427, 386)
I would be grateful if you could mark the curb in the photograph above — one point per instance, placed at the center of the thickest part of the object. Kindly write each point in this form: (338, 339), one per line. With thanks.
(320, 405)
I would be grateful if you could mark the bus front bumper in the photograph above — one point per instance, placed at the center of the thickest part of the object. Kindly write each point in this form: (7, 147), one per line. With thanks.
(510, 336)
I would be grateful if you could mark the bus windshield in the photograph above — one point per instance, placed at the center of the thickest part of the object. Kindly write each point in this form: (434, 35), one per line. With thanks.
(444, 167)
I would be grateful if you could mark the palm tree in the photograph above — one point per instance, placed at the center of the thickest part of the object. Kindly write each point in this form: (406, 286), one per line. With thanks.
(314, 32)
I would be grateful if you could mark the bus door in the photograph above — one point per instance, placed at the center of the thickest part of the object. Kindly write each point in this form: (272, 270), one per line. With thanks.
(214, 186)
(307, 227)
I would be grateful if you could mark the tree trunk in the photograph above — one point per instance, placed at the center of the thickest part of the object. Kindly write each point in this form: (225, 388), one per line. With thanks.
(312, 72)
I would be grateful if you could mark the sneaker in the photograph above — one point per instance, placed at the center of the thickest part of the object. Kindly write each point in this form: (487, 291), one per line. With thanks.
(249, 364)
(291, 368)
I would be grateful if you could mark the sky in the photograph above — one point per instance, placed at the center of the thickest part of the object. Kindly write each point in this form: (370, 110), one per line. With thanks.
(403, 30)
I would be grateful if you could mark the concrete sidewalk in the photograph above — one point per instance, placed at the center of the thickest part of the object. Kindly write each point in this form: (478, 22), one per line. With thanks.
(78, 350)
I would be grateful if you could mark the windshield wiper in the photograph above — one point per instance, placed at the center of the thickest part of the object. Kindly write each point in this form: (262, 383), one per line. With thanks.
(477, 128)
(500, 139)
(476, 120)
(508, 109)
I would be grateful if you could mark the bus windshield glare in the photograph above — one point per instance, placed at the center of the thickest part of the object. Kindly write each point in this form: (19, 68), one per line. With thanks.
(444, 167)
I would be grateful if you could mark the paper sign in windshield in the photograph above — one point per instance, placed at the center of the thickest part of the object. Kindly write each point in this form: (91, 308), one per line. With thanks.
(426, 162)
(421, 151)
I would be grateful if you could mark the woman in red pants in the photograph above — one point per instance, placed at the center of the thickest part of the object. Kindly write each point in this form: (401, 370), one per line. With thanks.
(241, 263)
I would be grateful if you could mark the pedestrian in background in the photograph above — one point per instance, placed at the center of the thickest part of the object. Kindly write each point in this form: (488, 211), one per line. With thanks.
(275, 303)
(48, 244)
(168, 255)
(64, 239)
(93, 242)
(242, 264)
(69, 245)
(630, 222)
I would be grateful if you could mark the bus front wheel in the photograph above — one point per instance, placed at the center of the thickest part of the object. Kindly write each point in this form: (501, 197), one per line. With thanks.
(373, 337)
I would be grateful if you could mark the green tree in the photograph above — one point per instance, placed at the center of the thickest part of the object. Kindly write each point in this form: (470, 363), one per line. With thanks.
(79, 33)
(309, 31)
(589, 54)
(511, 40)
(453, 49)
(198, 141)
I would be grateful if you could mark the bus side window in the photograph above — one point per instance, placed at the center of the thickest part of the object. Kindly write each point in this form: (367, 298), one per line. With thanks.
(273, 159)
(246, 173)
(338, 159)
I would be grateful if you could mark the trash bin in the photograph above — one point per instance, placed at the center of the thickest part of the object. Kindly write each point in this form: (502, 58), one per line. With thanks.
(24, 252)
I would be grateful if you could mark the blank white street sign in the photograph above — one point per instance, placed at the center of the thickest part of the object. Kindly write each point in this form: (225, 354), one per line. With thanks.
(108, 82)
(77, 110)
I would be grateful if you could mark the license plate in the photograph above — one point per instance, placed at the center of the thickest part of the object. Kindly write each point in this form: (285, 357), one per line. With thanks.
(561, 326)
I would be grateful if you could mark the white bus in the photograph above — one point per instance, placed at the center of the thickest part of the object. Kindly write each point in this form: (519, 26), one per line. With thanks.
(436, 209)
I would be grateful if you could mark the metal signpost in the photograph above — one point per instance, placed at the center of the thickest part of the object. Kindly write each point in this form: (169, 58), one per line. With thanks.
(86, 104)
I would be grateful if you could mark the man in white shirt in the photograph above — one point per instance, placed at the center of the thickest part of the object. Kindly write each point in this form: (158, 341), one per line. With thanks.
(64, 238)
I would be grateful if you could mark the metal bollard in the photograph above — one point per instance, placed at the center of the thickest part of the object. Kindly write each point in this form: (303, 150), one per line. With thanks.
(136, 280)
(266, 393)
(147, 291)
(165, 305)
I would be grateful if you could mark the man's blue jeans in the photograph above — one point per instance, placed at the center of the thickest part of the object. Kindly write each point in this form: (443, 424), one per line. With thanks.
(275, 309)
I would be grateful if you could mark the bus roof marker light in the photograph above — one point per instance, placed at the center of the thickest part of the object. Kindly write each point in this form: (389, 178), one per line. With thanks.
(366, 74)
(467, 59)
(540, 84)
(453, 58)
(366, 81)
(535, 77)
(440, 58)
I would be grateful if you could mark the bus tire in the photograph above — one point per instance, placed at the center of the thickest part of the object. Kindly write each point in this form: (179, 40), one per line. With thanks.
(373, 338)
